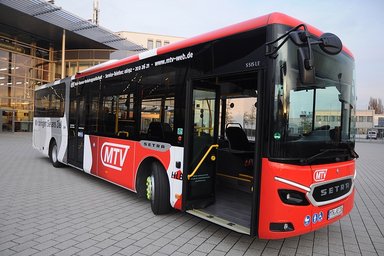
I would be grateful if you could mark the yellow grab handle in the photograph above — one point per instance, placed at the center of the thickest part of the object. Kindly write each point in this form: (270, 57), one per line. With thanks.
(202, 160)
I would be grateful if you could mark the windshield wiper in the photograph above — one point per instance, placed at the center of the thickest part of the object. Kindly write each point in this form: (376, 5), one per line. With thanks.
(351, 150)
(322, 153)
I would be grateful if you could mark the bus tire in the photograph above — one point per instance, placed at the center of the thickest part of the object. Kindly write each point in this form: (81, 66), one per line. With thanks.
(158, 189)
(143, 173)
(53, 154)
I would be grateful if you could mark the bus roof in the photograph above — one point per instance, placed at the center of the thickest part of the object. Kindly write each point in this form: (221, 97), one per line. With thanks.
(262, 21)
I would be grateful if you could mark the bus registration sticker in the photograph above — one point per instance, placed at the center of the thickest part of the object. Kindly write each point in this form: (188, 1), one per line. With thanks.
(333, 213)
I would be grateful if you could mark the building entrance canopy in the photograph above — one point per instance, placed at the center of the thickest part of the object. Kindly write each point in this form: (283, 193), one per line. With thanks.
(39, 43)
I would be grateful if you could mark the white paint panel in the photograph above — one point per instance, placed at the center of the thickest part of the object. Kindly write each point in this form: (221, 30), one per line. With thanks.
(176, 186)
(148, 54)
(87, 164)
(64, 139)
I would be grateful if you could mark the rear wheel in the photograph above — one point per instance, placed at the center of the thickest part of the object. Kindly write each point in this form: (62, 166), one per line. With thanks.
(53, 155)
(158, 189)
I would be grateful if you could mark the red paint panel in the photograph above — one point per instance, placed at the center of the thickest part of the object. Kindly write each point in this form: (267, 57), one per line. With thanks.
(178, 204)
(334, 171)
(273, 210)
(118, 160)
(142, 153)
(279, 18)
(115, 161)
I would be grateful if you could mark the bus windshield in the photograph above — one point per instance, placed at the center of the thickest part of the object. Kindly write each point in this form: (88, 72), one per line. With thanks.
(313, 123)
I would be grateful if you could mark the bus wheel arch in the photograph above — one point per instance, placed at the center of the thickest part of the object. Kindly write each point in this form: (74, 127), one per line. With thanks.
(152, 183)
(53, 153)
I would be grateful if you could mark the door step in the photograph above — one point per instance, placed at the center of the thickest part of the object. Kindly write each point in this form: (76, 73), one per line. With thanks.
(219, 221)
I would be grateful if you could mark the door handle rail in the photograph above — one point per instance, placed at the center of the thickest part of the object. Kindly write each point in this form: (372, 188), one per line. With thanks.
(202, 160)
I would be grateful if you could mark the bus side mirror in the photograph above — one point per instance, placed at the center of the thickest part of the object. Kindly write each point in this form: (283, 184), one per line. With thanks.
(330, 44)
(304, 56)
(305, 65)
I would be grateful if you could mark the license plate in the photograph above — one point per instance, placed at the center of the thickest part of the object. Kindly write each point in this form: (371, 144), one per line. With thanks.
(333, 213)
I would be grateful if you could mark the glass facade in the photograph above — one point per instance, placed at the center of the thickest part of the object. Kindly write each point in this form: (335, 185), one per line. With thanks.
(23, 67)
(79, 60)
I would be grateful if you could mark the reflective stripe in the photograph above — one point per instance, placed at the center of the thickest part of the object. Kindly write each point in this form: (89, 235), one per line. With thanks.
(307, 189)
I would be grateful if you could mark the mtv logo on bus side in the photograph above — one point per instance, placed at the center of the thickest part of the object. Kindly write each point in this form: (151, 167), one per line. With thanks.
(319, 175)
(113, 155)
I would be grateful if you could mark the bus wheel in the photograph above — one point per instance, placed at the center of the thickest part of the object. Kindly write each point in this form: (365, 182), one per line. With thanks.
(53, 154)
(158, 190)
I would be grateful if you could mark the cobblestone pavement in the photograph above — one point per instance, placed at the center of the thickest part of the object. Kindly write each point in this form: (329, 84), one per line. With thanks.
(49, 211)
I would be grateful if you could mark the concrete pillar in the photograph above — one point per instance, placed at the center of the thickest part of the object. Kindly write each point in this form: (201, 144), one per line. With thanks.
(1, 120)
(63, 56)
(13, 120)
(52, 66)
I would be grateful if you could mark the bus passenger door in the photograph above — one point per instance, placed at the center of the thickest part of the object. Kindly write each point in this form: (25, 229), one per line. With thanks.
(202, 147)
(76, 129)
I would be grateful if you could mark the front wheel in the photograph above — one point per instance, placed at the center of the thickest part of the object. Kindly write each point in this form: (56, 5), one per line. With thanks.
(53, 155)
(158, 190)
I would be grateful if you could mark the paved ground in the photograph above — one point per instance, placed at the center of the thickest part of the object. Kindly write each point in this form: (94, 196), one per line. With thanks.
(48, 211)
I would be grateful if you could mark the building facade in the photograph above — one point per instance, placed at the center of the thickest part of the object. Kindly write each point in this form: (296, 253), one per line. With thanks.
(364, 121)
(39, 43)
(149, 41)
(367, 120)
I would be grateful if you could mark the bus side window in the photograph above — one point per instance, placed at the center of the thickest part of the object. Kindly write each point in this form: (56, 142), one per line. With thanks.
(109, 121)
(94, 114)
(126, 122)
(150, 112)
(108, 111)
(160, 132)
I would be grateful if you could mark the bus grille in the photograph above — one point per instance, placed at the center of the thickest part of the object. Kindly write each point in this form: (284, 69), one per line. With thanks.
(332, 191)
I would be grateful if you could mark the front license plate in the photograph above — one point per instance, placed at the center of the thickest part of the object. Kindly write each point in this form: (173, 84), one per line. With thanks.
(333, 213)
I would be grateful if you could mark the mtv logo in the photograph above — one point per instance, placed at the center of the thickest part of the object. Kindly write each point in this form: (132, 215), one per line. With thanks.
(320, 175)
(113, 155)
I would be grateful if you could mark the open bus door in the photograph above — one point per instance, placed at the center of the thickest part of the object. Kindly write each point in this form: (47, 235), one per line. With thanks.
(76, 128)
(202, 145)
(220, 150)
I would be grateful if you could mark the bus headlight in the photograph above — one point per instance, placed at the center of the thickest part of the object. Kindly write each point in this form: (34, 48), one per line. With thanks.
(293, 197)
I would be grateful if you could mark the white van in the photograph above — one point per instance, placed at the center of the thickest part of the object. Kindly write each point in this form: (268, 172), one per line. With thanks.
(372, 135)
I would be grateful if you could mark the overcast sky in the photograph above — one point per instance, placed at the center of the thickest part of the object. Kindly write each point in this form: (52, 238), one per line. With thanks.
(358, 23)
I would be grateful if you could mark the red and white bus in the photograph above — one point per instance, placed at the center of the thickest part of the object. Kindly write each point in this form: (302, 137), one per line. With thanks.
(250, 126)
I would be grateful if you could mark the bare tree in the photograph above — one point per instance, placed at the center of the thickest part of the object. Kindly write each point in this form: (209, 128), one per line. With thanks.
(228, 113)
(376, 104)
(250, 117)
